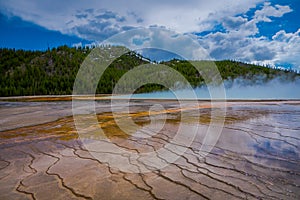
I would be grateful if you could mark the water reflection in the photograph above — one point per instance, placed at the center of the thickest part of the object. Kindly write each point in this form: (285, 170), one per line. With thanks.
(257, 155)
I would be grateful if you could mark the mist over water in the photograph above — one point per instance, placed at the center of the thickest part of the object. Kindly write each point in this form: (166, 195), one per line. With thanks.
(274, 89)
(235, 89)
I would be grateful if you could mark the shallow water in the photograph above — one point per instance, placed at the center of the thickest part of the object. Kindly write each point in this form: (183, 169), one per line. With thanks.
(256, 156)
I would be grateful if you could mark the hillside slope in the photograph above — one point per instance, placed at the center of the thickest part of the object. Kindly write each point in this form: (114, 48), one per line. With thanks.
(54, 71)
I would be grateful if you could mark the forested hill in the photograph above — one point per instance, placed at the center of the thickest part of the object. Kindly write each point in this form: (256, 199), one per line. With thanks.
(54, 71)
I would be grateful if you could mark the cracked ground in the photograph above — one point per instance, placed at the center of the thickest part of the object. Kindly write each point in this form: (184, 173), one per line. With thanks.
(256, 156)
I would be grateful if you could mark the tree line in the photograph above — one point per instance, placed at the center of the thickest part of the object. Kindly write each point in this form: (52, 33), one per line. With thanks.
(53, 71)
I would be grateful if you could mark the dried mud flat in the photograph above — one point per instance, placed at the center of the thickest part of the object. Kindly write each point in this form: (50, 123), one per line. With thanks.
(256, 156)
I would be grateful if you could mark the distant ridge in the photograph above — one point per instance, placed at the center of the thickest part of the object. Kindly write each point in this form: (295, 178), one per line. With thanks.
(52, 72)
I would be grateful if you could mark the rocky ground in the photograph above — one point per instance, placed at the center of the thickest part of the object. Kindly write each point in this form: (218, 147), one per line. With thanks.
(256, 157)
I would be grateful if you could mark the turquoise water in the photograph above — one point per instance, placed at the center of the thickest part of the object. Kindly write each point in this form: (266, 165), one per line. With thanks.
(271, 90)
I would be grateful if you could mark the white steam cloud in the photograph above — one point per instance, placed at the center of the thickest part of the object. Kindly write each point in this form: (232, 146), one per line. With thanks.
(239, 88)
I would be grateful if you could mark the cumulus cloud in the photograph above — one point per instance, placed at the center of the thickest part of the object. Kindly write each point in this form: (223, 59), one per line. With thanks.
(234, 23)
(185, 46)
(287, 46)
(68, 15)
(96, 24)
(238, 37)
(271, 11)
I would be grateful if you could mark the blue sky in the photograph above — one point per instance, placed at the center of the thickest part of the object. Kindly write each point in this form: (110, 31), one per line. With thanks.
(19, 34)
(263, 32)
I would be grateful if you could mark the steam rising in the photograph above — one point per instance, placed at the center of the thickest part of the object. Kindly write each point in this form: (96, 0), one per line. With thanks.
(278, 88)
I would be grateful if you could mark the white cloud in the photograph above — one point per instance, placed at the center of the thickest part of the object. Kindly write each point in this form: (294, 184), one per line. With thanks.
(287, 46)
(97, 20)
(69, 15)
(271, 11)
(240, 26)
(185, 46)
(239, 40)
